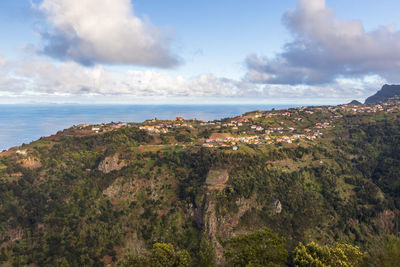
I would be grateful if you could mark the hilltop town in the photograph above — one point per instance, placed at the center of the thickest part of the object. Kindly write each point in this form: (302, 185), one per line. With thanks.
(293, 125)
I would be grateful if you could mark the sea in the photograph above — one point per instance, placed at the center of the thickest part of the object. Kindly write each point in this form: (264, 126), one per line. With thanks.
(21, 124)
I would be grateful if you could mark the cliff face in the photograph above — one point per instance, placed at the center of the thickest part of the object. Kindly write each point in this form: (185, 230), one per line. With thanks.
(220, 225)
(387, 91)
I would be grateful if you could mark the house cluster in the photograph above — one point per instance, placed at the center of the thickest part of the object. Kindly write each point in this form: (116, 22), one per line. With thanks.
(87, 130)
(354, 109)
(153, 126)
(260, 127)
(251, 133)
(101, 127)
(258, 140)
(259, 134)
(219, 140)
(391, 105)
(156, 126)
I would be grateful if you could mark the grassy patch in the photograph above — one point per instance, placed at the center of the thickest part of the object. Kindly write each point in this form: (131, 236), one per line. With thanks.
(345, 190)
(42, 143)
(152, 148)
(246, 149)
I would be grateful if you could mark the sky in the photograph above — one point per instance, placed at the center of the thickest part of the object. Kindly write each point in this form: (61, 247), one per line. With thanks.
(196, 52)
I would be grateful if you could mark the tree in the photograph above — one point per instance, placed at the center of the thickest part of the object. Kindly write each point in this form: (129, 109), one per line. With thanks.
(262, 248)
(161, 255)
(182, 258)
(207, 256)
(64, 263)
(312, 254)
(133, 260)
(385, 255)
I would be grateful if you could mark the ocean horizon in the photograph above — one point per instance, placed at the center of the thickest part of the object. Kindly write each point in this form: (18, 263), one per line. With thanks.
(21, 124)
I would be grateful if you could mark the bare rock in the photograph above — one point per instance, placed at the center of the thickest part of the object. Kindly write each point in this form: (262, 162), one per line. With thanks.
(277, 206)
(217, 179)
(112, 163)
(31, 163)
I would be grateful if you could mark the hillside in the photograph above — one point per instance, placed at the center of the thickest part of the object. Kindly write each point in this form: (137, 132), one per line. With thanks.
(355, 102)
(387, 92)
(122, 194)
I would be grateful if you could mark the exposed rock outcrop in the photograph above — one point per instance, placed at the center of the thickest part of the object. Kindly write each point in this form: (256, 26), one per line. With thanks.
(211, 226)
(217, 179)
(31, 163)
(277, 206)
(220, 227)
(112, 163)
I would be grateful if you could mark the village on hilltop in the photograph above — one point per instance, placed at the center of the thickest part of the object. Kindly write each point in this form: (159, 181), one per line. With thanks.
(258, 127)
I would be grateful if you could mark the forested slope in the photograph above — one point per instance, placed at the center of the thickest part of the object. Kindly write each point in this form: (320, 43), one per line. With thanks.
(122, 197)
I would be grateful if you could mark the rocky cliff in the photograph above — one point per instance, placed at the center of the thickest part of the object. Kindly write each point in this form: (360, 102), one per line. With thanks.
(387, 91)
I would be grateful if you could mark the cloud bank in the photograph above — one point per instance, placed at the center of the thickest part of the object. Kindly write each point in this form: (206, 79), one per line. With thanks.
(47, 78)
(103, 31)
(70, 78)
(325, 48)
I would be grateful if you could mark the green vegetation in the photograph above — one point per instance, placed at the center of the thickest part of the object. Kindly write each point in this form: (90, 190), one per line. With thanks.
(161, 255)
(261, 248)
(313, 254)
(207, 256)
(126, 196)
(385, 253)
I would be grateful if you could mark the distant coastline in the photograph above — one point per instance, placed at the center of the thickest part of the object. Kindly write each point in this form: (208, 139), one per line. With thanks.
(25, 123)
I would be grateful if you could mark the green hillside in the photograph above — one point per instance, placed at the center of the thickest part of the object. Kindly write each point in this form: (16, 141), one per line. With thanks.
(267, 188)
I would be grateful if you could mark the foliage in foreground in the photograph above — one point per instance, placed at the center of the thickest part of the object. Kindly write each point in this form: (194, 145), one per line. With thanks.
(385, 255)
(312, 254)
(161, 255)
(207, 255)
(262, 248)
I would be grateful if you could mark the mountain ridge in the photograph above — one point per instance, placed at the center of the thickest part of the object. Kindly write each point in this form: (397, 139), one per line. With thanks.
(386, 92)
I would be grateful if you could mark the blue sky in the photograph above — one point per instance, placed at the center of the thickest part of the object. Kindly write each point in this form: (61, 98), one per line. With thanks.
(189, 51)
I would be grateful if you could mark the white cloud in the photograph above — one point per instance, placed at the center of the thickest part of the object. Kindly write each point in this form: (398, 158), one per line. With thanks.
(326, 48)
(61, 80)
(2, 61)
(70, 78)
(103, 31)
(342, 88)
